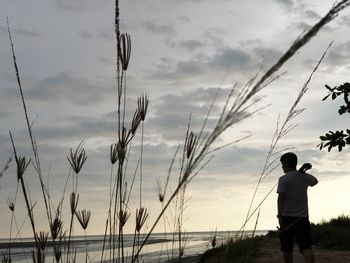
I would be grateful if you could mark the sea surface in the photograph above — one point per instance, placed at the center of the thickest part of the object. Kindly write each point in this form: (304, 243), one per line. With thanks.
(160, 247)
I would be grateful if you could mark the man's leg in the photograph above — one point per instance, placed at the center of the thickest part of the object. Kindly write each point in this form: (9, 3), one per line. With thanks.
(308, 255)
(288, 257)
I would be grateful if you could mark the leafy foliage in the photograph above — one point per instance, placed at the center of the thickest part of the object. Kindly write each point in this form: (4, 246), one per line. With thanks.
(335, 139)
(332, 234)
(338, 138)
(339, 91)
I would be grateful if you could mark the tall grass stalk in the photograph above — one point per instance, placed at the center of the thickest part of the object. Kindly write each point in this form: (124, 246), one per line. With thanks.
(270, 161)
(30, 132)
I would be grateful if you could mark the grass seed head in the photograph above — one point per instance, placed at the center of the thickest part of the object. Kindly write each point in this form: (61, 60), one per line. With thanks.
(42, 239)
(11, 203)
(191, 144)
(136, 120)
(21, 166)
(83, 218)
(124, 50)
(123, 217)
(159, 191)
(113, 153)
(142, 103)
(77, 158)
(141, 217)
(56, 227)
(73, 202)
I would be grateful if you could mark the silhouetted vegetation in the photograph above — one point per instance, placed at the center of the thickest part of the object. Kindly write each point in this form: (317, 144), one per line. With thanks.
(332, 234)
(239, 251)
(338, 138)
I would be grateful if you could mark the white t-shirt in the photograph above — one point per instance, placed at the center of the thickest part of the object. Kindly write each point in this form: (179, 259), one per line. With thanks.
(294, 184)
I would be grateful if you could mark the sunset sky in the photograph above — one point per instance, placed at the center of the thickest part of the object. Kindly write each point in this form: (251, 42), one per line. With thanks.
(182, 52)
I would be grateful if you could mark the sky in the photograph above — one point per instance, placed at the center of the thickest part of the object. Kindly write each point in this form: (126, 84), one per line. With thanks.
(183, 51)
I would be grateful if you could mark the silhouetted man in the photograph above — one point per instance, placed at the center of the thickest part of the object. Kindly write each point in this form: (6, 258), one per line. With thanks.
(292, 205)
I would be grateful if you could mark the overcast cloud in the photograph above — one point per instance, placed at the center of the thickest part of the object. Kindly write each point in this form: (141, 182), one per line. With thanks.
(182, 53)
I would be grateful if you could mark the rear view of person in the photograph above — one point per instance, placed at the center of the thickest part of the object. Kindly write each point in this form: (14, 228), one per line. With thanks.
(293, 212)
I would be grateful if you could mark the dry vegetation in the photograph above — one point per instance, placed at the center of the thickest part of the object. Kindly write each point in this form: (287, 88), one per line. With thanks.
(194, 153)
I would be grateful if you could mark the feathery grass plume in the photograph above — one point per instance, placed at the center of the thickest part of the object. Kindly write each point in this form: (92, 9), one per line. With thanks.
(7, 165)
(113, 153)
(11, 203)
(136, 120)
(190, 144)
(78, 158)
(159, 190)
(142, 103)
(42, 239)
(123, 217)
(124, 50)
(21, 166)
(280, 131)
(83, 218)
(56, 227)
(141, 217)
(74, 198)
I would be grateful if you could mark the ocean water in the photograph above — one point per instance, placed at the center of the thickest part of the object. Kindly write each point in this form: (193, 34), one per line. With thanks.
(160, 247)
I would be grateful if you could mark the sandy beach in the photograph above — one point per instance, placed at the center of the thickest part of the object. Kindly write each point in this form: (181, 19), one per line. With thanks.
(270, 253)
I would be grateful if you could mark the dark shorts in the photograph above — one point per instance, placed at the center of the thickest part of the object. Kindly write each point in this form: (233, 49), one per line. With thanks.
(295, 228)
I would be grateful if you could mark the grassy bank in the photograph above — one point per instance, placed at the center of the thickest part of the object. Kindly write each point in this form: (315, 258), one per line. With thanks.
(332, 234)
(239, 251)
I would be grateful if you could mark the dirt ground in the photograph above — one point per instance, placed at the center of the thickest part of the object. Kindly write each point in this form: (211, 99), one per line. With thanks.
(270, 253)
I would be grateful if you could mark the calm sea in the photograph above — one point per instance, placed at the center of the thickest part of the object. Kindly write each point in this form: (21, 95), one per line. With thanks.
(160, 247)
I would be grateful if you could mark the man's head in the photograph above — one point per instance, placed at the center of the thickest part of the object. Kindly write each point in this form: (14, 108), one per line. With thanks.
(289, 162)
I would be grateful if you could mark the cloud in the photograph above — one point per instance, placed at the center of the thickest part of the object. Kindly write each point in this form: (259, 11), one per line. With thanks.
(312, 14)
(170, 116)
(18, 31)
(105, 60)
(288, 4)
(346, 20)
(201, 64)
(231, 58)
(65, 86)
(155, 28)
(339, 55)
(191, 44)
(104, 36)
(79, 5)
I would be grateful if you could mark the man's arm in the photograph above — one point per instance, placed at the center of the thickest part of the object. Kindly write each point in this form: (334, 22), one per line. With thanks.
(280, 203)
(304, 168)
